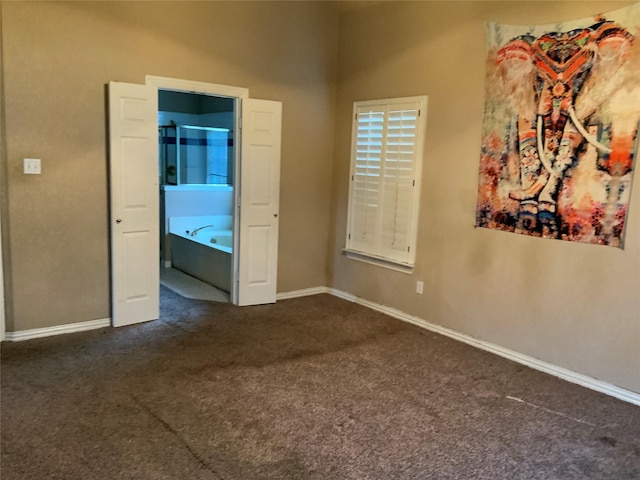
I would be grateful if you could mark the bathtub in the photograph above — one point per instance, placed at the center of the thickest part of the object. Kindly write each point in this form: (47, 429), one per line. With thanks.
(205, 255)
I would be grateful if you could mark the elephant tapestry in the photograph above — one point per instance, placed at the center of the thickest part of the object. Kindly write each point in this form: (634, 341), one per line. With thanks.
(560, 135)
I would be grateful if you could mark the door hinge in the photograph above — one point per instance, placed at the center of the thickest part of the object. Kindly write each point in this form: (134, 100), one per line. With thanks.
(409, 249)
(414, 183)
(349, 236)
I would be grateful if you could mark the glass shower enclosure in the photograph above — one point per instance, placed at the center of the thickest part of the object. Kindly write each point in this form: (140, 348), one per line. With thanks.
(192, 154)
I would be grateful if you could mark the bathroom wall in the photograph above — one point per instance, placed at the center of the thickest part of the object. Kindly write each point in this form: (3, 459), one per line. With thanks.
(185, 200)
(57, 58)
(219, 119)
(572, 305)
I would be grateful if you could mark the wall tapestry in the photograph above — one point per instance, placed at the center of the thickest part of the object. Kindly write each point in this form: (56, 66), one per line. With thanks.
(560, 133)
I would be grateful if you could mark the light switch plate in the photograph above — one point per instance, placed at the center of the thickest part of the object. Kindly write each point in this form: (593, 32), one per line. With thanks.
(32, 166)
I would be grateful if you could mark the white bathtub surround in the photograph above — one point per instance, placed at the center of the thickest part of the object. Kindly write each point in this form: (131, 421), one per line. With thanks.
(201, 247)
(197, 200)
(222, 239)
(188, 201)
(185, 225)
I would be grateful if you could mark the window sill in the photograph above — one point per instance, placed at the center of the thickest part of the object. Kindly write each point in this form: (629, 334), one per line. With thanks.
(378, 261)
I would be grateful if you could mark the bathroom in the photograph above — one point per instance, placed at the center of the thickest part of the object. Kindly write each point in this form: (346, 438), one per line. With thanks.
(196, 178)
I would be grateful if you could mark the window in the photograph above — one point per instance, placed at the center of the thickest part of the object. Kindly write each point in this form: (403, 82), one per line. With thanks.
(386, 161)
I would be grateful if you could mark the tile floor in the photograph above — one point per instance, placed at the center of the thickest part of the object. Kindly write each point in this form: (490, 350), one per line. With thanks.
(190, 287)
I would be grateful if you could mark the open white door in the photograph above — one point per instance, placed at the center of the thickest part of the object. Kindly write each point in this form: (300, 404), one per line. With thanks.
(134, 203)
(259, 201)
(2, 315)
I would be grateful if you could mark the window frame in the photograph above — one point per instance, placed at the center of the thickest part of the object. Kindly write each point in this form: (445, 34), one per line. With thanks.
(373, 250)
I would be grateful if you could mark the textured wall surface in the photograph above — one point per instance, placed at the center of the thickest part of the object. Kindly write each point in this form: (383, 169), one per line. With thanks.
(57, 58)
(572, 305)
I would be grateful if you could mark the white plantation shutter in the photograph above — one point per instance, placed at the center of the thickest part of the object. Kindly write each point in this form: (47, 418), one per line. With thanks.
(385, 172)
(367, 176)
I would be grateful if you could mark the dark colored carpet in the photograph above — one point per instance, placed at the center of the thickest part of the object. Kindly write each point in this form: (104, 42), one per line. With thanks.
(309, 388)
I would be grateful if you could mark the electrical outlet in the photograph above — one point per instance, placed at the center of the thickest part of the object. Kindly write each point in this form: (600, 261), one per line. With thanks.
(32, 166)
(419, 287)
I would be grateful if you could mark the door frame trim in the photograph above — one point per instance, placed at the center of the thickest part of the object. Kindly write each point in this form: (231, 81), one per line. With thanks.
(239, 94)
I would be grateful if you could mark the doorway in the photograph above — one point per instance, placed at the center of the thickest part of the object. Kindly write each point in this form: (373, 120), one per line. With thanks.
(229, 96)
(196, 170)
(134, 183)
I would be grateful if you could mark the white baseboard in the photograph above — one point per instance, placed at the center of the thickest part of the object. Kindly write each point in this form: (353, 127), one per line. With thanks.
(560, 372)
(57, 330)
(563, 373)
(303, 292)
(106, 322)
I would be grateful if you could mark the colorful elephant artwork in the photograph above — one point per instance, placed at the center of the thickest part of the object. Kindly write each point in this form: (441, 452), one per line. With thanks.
(561, 123)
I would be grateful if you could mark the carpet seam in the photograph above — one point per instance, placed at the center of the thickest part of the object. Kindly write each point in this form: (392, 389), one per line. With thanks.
(177, 435)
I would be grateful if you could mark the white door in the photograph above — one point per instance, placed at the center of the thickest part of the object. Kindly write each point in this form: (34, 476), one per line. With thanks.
(134, 203)
(259, 201)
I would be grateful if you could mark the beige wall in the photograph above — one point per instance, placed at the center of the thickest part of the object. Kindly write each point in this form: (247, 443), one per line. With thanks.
(573, 305)
(57, 58)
